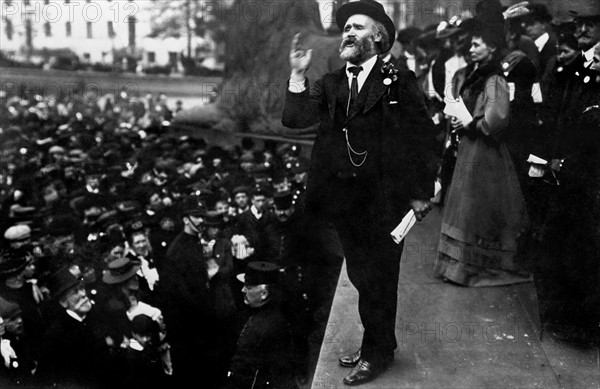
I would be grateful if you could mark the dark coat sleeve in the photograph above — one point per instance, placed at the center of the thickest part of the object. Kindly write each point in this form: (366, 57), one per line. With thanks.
(303, 109)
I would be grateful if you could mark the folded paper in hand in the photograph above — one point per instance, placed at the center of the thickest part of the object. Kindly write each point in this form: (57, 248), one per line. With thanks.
(536, 170)
(458, 109)
(408, 221)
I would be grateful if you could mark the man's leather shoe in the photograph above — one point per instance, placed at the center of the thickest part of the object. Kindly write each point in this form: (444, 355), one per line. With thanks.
(363, 372)
(350, 360)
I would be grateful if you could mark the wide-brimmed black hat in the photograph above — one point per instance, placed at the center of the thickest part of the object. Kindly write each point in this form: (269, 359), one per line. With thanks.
(61, 282)
(143, 325)
(538, 12)
(283, 200)
(12, 261)
(213, 219)
(120, 270)
(260, 273)
(372, 9)
(489, 23)
(584, 9)
(62, 225)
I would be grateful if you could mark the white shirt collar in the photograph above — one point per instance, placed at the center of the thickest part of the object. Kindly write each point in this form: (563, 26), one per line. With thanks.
(134, 344)
(362, 76)
(75, 316)
(255, 212)
(588, 57)
(387, 57)
(541, 41)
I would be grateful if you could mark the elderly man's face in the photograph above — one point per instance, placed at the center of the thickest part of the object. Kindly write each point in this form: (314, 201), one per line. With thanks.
(77, 301)
(358, 39)
(587, 32)
(253, 295)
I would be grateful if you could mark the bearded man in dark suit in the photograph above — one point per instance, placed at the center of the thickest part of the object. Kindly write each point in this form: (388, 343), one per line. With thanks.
(371, 163)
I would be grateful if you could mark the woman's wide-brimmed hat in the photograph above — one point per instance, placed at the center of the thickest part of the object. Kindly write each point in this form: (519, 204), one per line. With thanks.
(372, 9)
(120, 270)
(489, 22)
(12, 261)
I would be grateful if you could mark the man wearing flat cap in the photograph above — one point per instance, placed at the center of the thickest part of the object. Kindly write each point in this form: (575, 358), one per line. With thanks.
(370, 165)
(17, 236)
(263, 355)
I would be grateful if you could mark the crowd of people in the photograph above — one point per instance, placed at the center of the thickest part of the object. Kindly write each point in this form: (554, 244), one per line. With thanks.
(122, 247)
(130, 256)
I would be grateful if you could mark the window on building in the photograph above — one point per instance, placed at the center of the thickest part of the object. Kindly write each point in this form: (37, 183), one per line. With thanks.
(111, 29)
(151, 57)
(89, 30)
(172, 58)
(86, 56)
(9, 29)
(68, 28)
(47, 29)
(131, 20)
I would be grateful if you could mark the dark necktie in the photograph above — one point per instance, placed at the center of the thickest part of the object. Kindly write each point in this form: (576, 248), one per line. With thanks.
(353, 86)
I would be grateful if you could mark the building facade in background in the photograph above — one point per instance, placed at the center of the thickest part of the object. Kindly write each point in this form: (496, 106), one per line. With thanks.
(104, 32)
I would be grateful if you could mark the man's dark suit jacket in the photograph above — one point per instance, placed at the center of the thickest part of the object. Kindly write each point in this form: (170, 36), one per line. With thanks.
(547, 53)
(390, 122)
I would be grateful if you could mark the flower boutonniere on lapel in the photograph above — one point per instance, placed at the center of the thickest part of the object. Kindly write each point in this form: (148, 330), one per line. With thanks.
(390, 72)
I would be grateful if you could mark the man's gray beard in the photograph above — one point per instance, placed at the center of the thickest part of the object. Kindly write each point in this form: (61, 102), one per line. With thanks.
(363, 49)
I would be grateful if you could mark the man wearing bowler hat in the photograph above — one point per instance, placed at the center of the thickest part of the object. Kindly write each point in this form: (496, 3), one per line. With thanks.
(371, 163)
(263, 354)
(74, 351)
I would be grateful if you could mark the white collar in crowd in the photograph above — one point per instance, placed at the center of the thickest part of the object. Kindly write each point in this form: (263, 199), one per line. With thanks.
(541, 41)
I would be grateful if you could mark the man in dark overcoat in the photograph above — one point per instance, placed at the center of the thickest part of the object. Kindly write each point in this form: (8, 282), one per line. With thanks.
(263, 356)
(567, 271)
(371, 163)
(74, 350)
